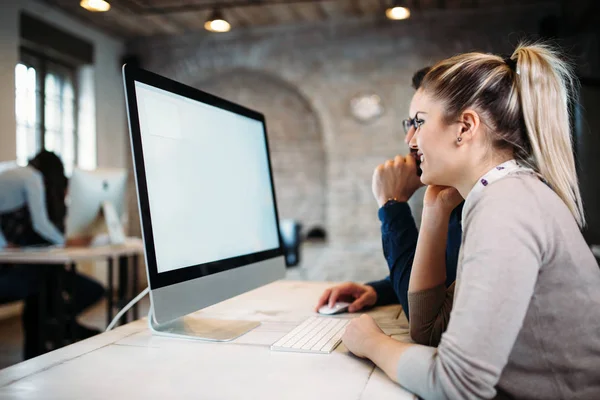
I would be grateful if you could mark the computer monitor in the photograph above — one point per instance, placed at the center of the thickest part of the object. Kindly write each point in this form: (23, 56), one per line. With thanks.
(207, 202)
(96, 203)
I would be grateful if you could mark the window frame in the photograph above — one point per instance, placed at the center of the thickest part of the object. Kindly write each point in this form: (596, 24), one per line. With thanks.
(39, 61)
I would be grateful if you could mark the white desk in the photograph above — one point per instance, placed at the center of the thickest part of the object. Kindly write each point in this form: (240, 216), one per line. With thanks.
(130, 363)
(69, 257)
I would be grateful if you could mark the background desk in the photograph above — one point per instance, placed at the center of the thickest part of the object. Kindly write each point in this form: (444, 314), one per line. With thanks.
(130, 363)
(57, 279)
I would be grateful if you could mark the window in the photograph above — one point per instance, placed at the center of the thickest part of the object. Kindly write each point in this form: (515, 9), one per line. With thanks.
(46, 109)
(28, 120)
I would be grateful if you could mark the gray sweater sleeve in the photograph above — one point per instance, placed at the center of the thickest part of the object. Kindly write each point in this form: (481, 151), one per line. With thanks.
(501, 255)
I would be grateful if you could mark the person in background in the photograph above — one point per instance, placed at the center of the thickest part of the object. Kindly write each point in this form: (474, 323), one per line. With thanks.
(522, 319)
(32, 213)
(394, 183)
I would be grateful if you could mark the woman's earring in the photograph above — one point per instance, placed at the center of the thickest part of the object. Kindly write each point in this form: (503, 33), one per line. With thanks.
(459, 139)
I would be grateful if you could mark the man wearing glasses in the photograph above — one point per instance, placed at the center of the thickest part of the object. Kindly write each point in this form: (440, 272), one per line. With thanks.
(394, 182)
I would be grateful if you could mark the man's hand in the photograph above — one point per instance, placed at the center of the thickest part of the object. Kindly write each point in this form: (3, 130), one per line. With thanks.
(396, 178)
(360, 296)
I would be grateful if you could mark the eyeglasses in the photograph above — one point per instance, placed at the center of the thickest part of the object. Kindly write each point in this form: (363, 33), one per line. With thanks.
(412, 122)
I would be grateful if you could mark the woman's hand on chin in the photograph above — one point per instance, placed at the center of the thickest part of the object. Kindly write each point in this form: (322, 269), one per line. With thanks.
(441, 198)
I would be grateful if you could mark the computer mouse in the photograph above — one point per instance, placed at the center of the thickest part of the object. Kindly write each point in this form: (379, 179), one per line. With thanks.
(338, 307)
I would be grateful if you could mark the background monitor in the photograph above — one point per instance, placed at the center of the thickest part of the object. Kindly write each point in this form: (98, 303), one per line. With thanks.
(206, 195)
(87, 193)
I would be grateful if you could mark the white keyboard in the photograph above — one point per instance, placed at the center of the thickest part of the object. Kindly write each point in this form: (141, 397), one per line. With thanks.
(315, 335)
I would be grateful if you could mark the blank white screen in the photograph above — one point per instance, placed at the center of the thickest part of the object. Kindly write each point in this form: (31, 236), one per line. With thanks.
(209, 186)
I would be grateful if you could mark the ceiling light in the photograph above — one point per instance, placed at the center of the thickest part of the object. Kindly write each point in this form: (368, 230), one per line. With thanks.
(216, 22)
(397, 12)
(95, 5)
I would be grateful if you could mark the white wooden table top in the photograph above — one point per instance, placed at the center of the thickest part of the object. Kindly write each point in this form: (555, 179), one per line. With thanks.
(66, 255)
(130, 363)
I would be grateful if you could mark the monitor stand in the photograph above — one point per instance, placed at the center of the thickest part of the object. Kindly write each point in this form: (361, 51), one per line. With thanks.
(190, 327)
(116, 233)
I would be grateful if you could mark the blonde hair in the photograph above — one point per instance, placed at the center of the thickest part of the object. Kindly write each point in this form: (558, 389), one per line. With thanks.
(524, 101)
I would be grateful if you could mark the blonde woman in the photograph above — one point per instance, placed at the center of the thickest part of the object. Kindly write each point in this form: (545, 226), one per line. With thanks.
(523, 318)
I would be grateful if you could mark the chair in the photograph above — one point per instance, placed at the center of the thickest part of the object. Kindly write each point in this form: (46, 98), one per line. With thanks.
(289, 230)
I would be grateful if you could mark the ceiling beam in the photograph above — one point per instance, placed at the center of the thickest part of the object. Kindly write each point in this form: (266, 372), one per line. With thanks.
(147, 10)
(109, 26)
(321, 10)
(239, 17)
(356, 8)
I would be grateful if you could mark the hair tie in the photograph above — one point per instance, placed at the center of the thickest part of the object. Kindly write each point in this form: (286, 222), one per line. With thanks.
(512, 64)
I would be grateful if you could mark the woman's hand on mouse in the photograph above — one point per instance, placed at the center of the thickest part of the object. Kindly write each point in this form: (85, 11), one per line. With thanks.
(359, 296)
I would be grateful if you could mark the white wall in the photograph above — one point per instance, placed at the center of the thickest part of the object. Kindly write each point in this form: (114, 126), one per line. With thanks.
(111, 120)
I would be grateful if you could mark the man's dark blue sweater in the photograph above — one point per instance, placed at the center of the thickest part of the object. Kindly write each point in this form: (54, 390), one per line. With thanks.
(399, 236)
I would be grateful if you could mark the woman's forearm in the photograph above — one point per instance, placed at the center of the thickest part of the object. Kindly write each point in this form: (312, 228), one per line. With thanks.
(429, 265)
(385, 352)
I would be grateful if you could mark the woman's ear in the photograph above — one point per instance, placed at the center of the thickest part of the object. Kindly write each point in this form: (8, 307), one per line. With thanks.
(470, 123)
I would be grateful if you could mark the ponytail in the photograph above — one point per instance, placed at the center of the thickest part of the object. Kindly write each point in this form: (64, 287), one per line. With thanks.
(545, 84)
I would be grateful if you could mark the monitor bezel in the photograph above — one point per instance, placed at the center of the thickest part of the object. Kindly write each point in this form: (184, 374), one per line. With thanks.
(157, 280)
